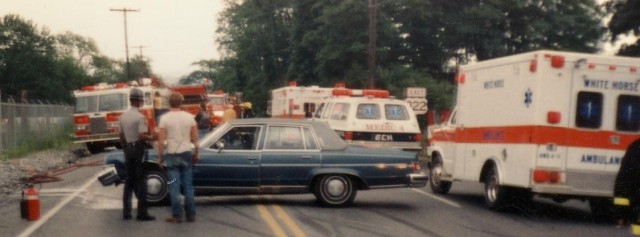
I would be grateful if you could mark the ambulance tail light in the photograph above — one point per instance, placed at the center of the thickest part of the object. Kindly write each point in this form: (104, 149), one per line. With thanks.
(417, 137)
(546, 176)
(346, 135)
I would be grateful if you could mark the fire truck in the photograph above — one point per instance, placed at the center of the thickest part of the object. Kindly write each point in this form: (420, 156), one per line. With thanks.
(194, 95)
(549, 123)
(98, 108)
(217, 105)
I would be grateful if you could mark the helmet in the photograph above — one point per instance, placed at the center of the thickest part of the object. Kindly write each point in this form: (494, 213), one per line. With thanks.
(135, 94)
(247, 105)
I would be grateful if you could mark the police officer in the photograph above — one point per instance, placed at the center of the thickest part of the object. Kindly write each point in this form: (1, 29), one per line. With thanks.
(133, 134)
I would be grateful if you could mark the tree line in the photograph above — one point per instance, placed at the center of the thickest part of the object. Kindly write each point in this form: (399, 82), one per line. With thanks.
(266, 43)
(35, 64)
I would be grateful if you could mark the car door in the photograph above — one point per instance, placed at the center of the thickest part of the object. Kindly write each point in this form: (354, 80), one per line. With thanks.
(290, 154)
(235, 165)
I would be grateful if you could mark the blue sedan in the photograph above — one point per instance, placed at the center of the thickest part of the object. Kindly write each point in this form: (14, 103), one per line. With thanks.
(281, 156)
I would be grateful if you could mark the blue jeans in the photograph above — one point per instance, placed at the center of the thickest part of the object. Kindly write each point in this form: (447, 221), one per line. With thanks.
(180, 170)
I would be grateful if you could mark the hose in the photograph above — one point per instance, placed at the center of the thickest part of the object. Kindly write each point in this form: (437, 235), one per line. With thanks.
(53, 176)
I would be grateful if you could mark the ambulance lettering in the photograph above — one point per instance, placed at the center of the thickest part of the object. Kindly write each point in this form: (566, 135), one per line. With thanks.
(612, 85)
(384, 127)
(383, 137)
(600, 159)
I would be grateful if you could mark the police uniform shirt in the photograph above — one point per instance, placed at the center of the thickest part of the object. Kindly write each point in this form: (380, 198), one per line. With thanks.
(132, 124)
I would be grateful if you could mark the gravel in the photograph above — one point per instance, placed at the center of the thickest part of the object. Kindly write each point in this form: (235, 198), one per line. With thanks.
(16, 172)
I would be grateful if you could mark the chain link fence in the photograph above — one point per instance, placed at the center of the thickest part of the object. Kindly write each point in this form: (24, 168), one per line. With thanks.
(31, 121)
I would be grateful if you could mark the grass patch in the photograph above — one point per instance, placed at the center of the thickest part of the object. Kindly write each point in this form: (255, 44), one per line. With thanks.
(37, 142)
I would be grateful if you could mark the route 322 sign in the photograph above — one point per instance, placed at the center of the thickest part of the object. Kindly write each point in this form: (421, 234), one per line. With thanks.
(417, 99)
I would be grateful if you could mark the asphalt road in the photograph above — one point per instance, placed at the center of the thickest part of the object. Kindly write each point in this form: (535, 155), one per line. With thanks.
(79, 206)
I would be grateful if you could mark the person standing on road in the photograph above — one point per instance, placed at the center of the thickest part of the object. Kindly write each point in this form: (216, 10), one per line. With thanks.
(203, 118)
(133, 133)
(178, 129)
(229, 114)
(626, 190)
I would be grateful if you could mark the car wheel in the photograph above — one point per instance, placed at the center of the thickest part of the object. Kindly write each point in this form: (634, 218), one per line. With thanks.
(435, 180)
(335, 190)
(157, 188)
(495, 195)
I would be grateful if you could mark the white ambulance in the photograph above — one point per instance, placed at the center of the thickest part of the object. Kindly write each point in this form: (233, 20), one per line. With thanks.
(370, 118)
(550, 123)
(295, 101)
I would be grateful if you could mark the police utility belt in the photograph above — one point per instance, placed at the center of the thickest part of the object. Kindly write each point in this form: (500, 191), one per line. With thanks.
(136, 144)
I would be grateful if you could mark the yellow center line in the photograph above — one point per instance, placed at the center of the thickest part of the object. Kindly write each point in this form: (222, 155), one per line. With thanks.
(271, 222)
(282, 215)
(293, 227)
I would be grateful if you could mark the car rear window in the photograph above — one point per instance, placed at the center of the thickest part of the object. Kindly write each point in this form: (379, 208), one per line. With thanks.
(368, 111)
(395, 112)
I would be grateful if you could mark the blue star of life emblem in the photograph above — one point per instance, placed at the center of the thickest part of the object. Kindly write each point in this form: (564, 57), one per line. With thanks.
(527, 97)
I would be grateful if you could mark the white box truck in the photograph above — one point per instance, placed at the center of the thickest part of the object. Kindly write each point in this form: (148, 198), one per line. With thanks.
(550, 123)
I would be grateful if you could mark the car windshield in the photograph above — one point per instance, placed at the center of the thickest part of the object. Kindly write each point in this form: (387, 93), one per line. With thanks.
(101, 103)
(216, 101)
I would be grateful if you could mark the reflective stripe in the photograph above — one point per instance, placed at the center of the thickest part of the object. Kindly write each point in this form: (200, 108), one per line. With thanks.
(620, 201)
(31, 197)
(635, 229)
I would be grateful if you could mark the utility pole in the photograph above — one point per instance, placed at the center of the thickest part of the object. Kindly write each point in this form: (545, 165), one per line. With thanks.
(372, 43)
(126, 39)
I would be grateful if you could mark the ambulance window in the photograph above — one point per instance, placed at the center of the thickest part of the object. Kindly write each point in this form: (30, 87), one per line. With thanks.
(319, 111)
(327, 111)
(368, 111)
(628, 113)
(340, 111)
(147, 98)
(395, 112)
(589, 110)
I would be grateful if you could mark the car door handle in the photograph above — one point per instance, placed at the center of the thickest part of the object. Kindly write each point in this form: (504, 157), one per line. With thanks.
(306, 157)
(252, 158)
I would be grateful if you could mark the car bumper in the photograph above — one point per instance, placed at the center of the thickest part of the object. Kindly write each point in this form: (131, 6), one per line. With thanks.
(418, 180)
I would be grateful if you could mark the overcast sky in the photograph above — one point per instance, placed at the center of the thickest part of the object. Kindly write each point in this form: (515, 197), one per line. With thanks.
(173, 33)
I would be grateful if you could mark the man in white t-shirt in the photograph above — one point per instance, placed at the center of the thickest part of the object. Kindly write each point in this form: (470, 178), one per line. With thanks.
(178, 129)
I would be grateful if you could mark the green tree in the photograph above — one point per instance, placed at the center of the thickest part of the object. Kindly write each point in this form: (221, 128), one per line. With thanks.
(624, 22)
(28, 60)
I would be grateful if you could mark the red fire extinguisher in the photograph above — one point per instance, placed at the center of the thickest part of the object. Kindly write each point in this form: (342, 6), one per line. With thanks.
(30, 204)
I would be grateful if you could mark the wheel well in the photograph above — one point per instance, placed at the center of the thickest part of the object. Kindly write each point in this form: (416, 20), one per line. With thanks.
(359, 183)
(150, 166)
(435, 157)
(485, 168)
